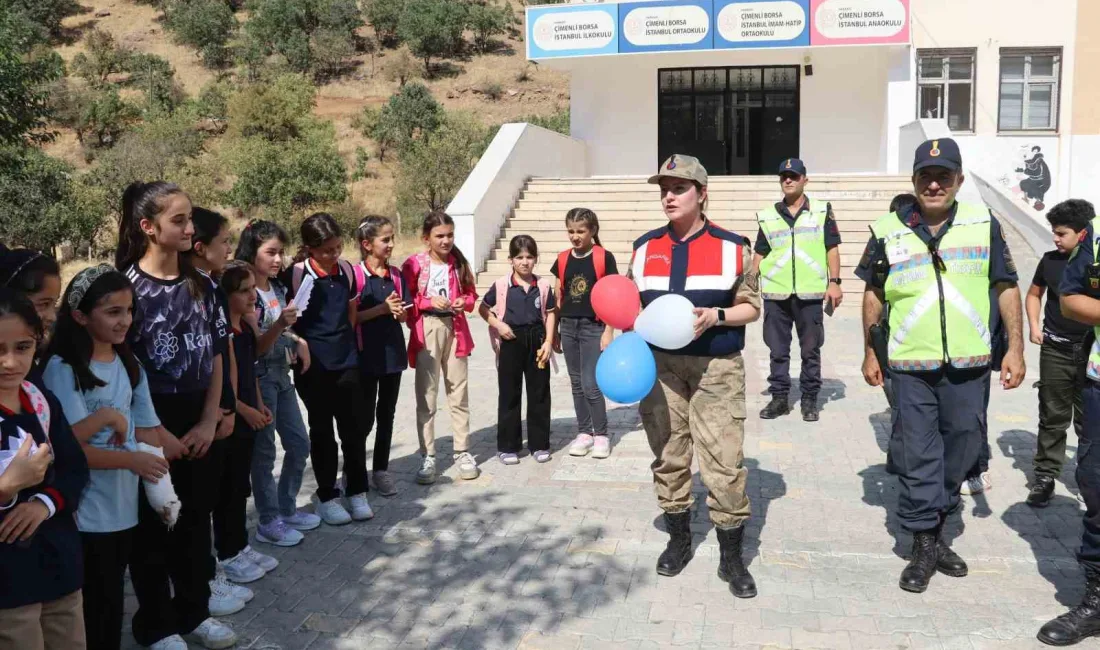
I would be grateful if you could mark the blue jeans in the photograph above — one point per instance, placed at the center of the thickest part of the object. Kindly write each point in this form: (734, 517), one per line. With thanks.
(279, 396)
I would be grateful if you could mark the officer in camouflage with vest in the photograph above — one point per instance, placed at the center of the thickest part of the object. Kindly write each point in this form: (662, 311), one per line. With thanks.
(947, 273)
(799, 266)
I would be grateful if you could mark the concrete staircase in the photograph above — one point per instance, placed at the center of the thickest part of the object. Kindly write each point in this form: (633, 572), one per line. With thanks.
(629, 207)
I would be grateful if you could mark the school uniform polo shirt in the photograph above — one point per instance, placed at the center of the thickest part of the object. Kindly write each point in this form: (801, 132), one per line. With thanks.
(708, 268)
(523, 306)
(383, 338)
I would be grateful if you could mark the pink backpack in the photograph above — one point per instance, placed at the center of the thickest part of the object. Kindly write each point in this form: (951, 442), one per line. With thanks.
(360, 281)
(500, 287)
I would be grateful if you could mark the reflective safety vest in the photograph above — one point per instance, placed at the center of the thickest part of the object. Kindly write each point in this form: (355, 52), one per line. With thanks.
(1094, 352)
(938, 313)
(797, 261)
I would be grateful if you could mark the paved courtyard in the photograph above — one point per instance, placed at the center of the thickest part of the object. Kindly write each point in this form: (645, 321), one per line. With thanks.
(562, 555)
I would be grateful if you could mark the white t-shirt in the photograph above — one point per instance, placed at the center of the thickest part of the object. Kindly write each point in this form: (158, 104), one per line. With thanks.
(272, 308)
(439, 281)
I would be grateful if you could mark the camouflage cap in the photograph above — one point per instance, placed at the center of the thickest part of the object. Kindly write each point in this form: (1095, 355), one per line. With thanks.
(681, 166)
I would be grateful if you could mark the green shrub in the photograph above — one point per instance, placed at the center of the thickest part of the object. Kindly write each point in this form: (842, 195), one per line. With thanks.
(206, 25)
(433, 29)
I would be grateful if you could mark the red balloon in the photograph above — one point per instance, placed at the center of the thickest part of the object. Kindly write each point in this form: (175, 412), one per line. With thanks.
(616, 301)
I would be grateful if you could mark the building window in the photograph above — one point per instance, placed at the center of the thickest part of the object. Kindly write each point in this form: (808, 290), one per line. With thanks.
(945, 87)
(1029, 90)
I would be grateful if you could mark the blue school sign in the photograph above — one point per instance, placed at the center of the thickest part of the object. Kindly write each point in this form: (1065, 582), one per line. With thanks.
(665, 26)
(761, 23)
(572, 30)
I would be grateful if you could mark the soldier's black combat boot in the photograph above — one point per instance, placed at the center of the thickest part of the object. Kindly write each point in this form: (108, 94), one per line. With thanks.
(678, 552)
(922, 566)
(1079, 623)
(1041, 491)
(949, 562)
(810, 411)
(778, 406)
(731, 568)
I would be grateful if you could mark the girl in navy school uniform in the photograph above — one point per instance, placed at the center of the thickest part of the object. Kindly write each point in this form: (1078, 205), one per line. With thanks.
(262, 245)
(105, 395)
(176, 338)
(42, 475)
(330, 387)
(521, 312)
(382, 355)
(38, 277)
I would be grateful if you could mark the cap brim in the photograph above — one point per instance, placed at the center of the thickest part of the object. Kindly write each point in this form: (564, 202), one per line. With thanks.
(946, 164)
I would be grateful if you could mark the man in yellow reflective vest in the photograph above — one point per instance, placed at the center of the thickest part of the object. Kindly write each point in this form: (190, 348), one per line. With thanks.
(946, 270)
(798, 261)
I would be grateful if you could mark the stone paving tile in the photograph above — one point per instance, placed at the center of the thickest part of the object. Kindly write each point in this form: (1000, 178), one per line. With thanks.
(561, 555)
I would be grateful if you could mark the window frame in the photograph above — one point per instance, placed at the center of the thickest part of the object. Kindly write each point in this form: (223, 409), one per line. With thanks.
(1055, 80)
(946, 81)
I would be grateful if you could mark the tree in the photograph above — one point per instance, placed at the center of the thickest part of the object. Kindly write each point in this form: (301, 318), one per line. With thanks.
(433, 28)
(433, 169)
(287, 27)
(44, 15)
(212, 105)
(102, 57)
(330, 49)
(410, 112)
(384, 16)
(367, 123)
(401, 66)
(98, 115)
(155, 77)
(288, 175)
(485, 21)
(206, 25)
(38, 206)
(24, 75)
(275, 110)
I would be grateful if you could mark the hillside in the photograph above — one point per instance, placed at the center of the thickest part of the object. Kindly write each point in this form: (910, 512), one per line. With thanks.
(457, 84)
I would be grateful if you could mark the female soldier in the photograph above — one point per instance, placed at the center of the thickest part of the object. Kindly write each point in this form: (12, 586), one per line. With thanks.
(699, 398)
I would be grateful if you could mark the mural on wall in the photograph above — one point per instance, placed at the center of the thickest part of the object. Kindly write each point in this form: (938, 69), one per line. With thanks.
(1031, 178)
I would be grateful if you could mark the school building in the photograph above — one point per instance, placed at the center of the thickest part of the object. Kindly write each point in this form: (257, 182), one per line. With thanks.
(849, 86)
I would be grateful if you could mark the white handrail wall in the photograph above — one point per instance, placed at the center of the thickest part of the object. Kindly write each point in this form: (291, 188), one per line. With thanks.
(519, 152)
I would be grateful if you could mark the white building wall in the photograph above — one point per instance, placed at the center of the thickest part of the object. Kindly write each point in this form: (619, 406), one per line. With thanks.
(843, 115)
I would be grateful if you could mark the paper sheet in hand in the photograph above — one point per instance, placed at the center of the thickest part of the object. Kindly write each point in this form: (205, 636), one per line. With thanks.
(8, 455)
(301, 299)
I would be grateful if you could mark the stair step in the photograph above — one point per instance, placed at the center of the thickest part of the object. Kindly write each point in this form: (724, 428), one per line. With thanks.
(765, 197)
(641, 226)
(749, 205)
(865, 214)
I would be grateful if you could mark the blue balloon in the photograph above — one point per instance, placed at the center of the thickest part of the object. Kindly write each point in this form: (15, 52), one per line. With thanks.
(626, 370)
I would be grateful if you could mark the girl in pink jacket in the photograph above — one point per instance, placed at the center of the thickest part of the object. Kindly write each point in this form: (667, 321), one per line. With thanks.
(441, 289)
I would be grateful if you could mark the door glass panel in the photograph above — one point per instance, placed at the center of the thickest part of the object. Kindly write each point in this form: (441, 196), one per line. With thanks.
(710, 117)
(675, 81)
(710, 80)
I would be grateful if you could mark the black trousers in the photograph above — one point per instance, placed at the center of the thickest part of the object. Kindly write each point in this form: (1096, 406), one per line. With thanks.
(335, 395)
(381, 406)
(939, 425)
(517, 364)
(1088, 478)
(105, 558)
(806, 316)
(229, 518)
(183, 554)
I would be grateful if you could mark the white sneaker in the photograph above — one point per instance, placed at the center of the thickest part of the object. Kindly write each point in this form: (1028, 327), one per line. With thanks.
(331, 512)
(301, 520)
(240, 569)
(426, 474)
(174, 642)
(265, 562)
(359, 507)
(976, 484)
(601, 446)
(212, 634)
(581, 445)
(222, 600)
(278, 533)
(467, 466)
(243, 594)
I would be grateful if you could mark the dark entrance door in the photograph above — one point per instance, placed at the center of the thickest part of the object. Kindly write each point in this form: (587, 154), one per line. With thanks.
(741, 120)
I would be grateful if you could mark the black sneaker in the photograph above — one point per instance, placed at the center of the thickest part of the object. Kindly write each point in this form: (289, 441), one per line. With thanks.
(1041, 491)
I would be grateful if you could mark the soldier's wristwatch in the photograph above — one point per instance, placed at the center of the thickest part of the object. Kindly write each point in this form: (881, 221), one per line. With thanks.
(834, 280)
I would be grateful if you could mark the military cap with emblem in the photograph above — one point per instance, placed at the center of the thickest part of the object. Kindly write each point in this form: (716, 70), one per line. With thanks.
(942, 152)
(681, 166)
(792, 166)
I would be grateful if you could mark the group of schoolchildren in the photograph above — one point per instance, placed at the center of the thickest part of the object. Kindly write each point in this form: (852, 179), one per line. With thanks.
(139, 408)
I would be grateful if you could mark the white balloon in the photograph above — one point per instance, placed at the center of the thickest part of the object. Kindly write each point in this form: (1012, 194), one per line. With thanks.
(668, 322)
